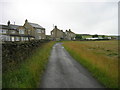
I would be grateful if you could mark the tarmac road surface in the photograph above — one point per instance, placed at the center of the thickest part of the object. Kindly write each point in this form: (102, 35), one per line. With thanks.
(64, 72)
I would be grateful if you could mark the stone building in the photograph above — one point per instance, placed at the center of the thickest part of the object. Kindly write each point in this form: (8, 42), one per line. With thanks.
(13, 32)
(4, 33)
(23, 34)
(69, 35)
(57, 34)
(35, 30)
(9, 32)
(27, 32)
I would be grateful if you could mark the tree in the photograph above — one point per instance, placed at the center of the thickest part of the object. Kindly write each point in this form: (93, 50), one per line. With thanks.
(78, 37)
(103, 36)
(94, 36)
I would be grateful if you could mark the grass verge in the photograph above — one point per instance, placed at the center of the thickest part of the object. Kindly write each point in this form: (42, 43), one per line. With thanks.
(102, 67)
(28, 74)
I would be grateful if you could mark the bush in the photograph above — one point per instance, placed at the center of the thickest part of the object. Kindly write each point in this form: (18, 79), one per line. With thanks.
(95, 36)
(78, 37)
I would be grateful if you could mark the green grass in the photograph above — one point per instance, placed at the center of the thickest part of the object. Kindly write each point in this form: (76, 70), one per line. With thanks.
(104, 70)
(90, 36)
(28, 74)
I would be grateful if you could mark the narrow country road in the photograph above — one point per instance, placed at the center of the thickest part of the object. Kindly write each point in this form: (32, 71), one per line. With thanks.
(64, 72)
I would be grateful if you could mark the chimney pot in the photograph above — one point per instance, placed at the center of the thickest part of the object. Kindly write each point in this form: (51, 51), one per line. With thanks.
(8, 23)
(56, 27)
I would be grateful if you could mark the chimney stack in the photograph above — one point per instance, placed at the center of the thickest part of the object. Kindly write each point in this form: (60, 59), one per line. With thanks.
(55, 27)
(8, 23)
(26, 21)
(69, 30)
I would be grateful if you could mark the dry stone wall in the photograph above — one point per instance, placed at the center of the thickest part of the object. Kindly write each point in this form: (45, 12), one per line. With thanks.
(14, 53)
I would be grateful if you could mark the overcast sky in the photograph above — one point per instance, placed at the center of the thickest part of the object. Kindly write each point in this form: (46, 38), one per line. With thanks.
(81, 16)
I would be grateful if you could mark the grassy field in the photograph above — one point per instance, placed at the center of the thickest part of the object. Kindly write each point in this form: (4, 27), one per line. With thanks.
(99, 57)
(29, 73)
(90, 36)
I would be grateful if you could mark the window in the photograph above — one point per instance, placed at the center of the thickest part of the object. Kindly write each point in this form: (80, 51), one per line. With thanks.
(22, 38)
(29, 32)
(38, 31)
(13, 38)
(4, 38)
(3, 31)
(42, 31)
(12, 32)
(32, 38)
(39, 37)
(17, 39)
(8, 38)
(21, 31)
(26, 38)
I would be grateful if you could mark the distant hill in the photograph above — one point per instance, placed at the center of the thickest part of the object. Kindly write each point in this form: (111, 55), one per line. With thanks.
(90, 36)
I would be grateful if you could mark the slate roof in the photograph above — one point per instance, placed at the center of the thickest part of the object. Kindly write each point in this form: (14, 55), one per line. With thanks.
(35, 25)
(4, 26)
(11, 26)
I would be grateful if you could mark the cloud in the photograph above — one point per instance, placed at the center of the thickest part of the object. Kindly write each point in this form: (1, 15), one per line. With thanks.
(93, 16)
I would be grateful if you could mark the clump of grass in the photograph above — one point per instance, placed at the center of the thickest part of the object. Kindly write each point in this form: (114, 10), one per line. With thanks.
(102, 67)
(29, 73)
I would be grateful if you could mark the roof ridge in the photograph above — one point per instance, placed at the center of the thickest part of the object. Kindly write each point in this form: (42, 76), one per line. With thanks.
(15, 25)
(35, 25)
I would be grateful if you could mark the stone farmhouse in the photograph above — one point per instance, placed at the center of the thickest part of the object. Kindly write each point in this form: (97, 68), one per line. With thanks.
(35, 30)
(27, 32)
(69, 35)
(57, 34)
